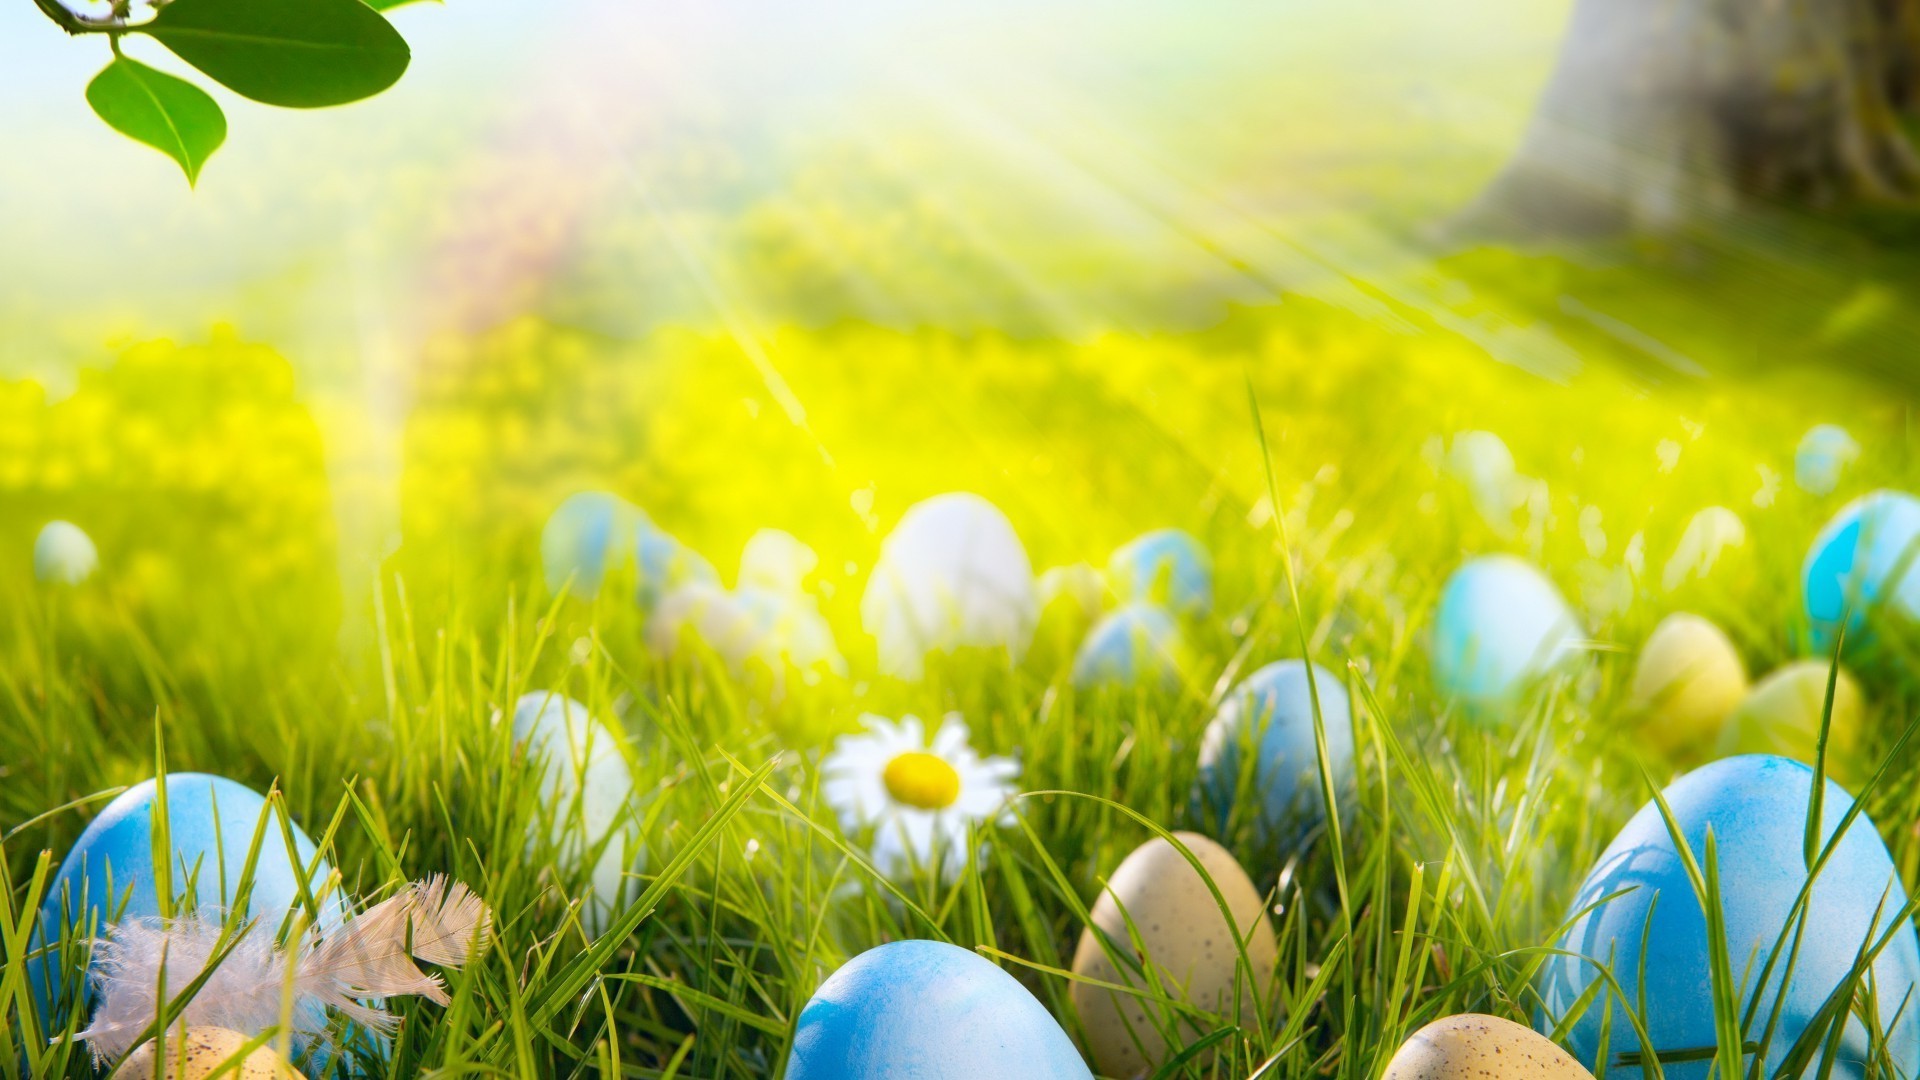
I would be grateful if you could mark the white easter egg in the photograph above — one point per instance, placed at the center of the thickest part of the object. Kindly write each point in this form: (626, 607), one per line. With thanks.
(1825, 453)
(586, 795)
(952, 574)
(63, 554)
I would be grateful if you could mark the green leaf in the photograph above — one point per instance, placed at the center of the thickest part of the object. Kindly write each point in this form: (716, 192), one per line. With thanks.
(301, 54)
(167, 113)
(389, 5)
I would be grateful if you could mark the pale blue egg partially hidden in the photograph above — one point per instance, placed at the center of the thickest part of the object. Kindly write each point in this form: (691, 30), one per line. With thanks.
(1137, 645)
(1862, 563)
(1500, 626)
(1270, 714)
(587, 537)
(1756, 807)
(211, 821)
(1166, 567)
(926, 1010)
(1824, 454)
(63, 554)
(665, 564)
(586, 797)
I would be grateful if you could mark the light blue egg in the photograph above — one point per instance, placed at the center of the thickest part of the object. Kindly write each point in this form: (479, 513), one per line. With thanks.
(586, 538)
(1138, 644)
(1851, 568)
(925, 1010)
(1167, 567)
(109, 873)
(1271, 714)
(586, 797)
(1501, 625)
(63, 554)
(1824, 454)
(666, 564)
(1756, 806)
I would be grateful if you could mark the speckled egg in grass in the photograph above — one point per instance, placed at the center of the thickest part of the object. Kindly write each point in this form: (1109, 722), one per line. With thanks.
(951, 575)
(1688, 678)
(1137, 645)
(109, 873)
(1476, 1047)
(1167, 567)
(200, 1052)
(586, 538)
(1188, 940)
(1756, 806)
(63, 554)
(663, 564)
(1501, 625)
(1270, 716)
(1862, 565)
(1782, 715)
(586, 796)
(1825, 453)
(926, 1010)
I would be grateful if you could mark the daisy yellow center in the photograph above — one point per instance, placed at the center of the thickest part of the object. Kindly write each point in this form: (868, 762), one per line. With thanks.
(922, 780)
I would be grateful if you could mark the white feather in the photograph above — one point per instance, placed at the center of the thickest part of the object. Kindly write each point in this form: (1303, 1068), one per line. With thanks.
(144, 962)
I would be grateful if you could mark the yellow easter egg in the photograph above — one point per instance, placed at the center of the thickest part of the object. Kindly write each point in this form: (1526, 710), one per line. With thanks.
(1475, 1047)
(1184, 935)
(1782, 716)
(1688, 679)
(199, 1052)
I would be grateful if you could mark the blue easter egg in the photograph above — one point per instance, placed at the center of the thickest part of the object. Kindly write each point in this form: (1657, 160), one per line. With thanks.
(1167, 567)
(1139, 643)
(1501, 625)
(1851, 567)
(63, 554)
(585, 539)
(925, 1010)
(109, 873)
(666, 564)
(1756, 806)
(586, 796)
(1271, 714)
(1824, 454)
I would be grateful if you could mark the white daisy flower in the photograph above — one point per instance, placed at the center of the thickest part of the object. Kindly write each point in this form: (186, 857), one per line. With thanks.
(918, 796)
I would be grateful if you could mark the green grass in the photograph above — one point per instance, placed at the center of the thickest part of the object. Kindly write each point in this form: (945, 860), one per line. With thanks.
(370, 705)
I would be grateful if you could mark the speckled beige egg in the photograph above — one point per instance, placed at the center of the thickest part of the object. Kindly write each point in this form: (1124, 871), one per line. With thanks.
(1185, 936)
(1688, 679)
(1782, 716)
(200, 1052)
(1475, 1047)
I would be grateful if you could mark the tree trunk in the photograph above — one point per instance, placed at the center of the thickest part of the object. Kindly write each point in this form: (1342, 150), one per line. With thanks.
(1663, 112)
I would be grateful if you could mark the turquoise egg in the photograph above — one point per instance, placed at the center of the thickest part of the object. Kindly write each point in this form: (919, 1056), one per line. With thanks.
(665, 564)
(1861, 561)
(585, 539)
(109, 873)
(1501, 625)
(1138, 644)
(1270, 714)
(1167, 567)
(925, 1010)
(586, 797)
(1756, 806)
(63, 554)
(1824, 454)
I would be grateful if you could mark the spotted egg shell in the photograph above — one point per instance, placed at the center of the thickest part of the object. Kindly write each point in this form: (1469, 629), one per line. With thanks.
(926, 1010)
(1476, 1047)
(200, 1052)
(1688, 678)
(1185, 936)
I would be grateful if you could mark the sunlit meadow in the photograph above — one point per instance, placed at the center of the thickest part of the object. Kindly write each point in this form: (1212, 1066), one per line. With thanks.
(316, 466)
